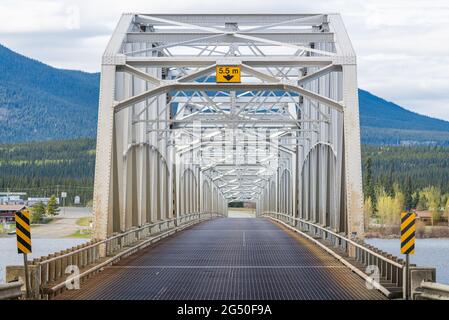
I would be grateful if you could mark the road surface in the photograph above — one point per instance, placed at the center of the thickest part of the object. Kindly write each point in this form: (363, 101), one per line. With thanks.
(227, 259)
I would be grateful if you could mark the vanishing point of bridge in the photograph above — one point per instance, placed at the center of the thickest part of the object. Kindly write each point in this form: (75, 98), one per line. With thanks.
(199, 111)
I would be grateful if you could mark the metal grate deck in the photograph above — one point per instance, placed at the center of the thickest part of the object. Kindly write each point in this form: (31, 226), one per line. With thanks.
(226, 259)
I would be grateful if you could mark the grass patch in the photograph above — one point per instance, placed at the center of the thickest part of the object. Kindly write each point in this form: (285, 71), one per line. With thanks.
(47, 220)
(84, 221)
(44, 220)
(8, 228)
(81, 234)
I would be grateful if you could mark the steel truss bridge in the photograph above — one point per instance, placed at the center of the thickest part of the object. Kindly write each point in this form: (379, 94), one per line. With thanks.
(175, 147)
(172, 141)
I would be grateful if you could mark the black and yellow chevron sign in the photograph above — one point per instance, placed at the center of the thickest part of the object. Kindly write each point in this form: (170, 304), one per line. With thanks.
(408, 232)
(23, 231)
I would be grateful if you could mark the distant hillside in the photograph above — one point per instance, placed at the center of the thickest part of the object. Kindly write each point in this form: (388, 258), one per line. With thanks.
(49, 167)
(385, 122)
(39, 102)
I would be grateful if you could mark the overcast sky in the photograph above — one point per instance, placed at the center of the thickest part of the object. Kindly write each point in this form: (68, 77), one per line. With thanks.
(402, 46)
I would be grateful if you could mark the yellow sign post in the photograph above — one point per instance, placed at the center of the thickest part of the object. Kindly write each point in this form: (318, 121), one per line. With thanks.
(23, 233)
(408, 232)
(407, 244)
(228, 74)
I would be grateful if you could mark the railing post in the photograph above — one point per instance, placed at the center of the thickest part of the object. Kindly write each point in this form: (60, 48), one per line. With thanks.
(58, 267)
(51, 268)
(44, 274)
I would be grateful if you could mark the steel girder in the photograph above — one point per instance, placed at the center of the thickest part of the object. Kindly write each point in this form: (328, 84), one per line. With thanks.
(172, 141)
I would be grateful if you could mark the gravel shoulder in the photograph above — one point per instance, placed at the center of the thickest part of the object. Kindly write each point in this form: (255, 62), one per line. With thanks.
(64, 225)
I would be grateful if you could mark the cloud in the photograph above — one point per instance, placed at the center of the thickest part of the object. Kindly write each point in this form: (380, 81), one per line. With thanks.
(402, 45)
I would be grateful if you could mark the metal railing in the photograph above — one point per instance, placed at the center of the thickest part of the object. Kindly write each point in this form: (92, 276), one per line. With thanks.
(432, 291)
(12, 290)
(390, 268)
(93, 255)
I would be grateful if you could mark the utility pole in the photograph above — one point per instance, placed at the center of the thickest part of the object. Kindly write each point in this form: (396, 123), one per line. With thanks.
(63, 196)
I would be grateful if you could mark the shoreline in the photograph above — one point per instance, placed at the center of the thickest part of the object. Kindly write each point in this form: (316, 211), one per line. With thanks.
(395, 236)
(421, 232)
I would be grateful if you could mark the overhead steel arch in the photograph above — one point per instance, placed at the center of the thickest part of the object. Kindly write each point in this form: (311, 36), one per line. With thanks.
(319, 171)
(189, 197)
(140, 196)
(272, 197)
(206, 197)
(285, 192)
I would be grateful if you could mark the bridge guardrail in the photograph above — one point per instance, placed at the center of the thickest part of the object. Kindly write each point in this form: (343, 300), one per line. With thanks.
(11, 290)
(432, 291)
(47, 272)
(390, 268)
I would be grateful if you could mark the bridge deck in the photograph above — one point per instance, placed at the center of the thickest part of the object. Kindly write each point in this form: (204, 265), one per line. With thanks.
(228, 259)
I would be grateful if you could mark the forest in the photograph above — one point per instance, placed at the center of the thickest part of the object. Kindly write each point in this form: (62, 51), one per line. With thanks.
(42, 169)
(404, 178)
(47, 168)
(424, 165)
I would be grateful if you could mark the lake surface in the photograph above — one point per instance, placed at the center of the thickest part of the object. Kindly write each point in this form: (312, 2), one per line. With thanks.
(428, 253)
(41, 247)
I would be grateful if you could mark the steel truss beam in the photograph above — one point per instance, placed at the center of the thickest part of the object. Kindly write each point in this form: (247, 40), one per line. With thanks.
(201, 38)
(253, 61)
(226, 87)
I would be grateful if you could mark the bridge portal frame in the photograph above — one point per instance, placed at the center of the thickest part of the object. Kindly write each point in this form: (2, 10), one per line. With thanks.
(118, 93)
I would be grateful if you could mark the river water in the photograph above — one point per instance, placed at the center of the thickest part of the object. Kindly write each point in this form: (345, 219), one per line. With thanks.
(429, 252)
(41, 247)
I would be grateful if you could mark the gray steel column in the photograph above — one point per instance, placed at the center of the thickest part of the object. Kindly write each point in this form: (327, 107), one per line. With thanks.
(353, 162)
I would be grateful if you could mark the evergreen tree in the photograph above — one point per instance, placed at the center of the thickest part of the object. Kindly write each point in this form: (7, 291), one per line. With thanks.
(446, 209)
(408, 191)
(415, 199)
(389, 189)
(369, 184)
(37, 212)
(52, 206)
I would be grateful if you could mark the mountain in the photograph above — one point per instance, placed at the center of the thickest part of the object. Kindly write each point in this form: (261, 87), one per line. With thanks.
(384, 122)
(39, 102)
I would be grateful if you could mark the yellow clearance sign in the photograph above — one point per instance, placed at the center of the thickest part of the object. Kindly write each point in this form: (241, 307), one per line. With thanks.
(228, 74)
(408, 232)
(23, 231)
